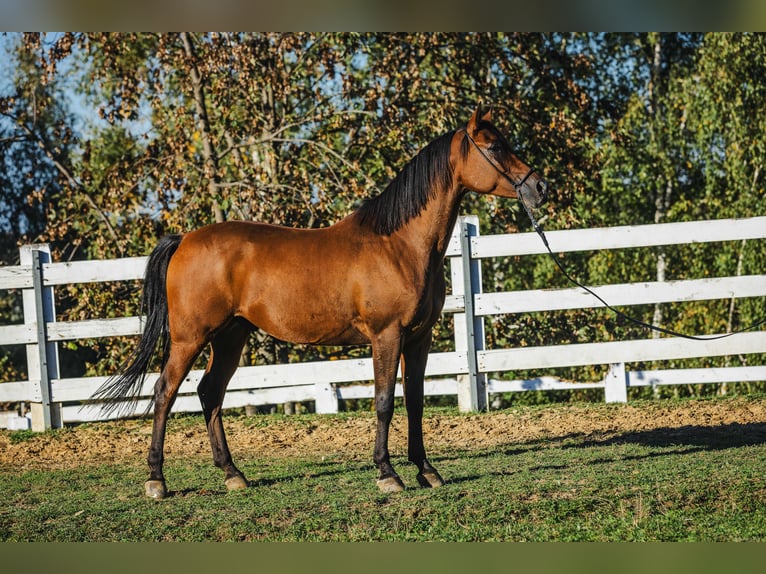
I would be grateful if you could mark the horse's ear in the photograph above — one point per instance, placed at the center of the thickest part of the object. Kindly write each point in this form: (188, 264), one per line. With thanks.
(479, 115)
(476, 117)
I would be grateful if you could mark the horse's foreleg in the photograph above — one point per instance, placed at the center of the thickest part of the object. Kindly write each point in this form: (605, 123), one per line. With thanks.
(224, 360)
(385, 358)
(165, 390)
(414, 357)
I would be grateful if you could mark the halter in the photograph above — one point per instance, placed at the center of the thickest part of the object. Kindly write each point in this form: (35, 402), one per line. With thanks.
(517, 185)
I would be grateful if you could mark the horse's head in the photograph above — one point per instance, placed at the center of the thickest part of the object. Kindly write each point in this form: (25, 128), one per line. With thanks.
(488, 165)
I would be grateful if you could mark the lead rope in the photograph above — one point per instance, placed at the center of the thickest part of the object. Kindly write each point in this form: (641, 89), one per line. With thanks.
(617, 312)
(571, 279)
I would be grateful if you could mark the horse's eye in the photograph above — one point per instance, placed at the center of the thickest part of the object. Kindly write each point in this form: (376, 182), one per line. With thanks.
(494, 148)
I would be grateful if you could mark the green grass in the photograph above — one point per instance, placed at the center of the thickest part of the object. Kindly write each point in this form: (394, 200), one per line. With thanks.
(685, 484)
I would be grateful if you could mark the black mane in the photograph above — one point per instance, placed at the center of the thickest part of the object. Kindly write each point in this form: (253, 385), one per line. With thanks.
(411, 189)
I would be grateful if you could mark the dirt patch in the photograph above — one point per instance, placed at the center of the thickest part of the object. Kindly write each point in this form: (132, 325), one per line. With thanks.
(353, 436)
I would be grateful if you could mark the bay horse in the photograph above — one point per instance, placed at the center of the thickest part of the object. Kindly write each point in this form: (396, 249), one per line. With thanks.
(375, 277)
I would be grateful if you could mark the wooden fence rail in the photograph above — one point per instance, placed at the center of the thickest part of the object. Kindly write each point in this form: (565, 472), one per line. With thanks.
(462, 372)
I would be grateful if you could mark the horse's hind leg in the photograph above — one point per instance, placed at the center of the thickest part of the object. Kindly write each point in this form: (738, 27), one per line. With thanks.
(179, 362)
(227, 347)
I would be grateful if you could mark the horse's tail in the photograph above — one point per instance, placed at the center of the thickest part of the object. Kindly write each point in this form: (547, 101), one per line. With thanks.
(121, 391)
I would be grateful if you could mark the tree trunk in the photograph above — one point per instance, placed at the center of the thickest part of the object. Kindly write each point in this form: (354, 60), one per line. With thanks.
(662, 202)
(203, 124)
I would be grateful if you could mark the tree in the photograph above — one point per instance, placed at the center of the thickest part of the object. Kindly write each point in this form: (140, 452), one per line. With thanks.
(34, 137)
(688, 146)
(727, 103)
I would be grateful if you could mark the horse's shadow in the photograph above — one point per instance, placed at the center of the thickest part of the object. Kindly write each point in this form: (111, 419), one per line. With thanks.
(257, 483)
(320, 470)
(691, 438)
(684, 440)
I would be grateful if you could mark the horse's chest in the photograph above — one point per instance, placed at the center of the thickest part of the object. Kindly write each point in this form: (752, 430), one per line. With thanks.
(429, 304)
(393, 294)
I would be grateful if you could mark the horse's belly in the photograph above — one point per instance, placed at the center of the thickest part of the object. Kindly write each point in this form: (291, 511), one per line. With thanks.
(297, 321)
(315, 332)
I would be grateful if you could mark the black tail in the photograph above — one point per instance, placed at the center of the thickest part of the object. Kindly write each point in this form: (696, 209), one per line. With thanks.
(122, 390)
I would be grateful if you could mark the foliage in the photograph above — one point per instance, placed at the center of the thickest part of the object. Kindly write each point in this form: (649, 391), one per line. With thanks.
(298, 129)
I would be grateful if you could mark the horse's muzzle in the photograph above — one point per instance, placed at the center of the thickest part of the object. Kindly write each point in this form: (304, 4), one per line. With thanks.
(534, 193)
(542, 191)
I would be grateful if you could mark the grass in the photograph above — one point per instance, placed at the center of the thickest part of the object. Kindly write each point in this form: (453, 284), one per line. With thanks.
(694, 483)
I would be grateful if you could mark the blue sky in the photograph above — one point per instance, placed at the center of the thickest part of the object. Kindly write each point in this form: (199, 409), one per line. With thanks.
(84, 115)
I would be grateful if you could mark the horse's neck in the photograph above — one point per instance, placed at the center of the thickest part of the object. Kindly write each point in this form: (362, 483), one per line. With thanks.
(429, 233)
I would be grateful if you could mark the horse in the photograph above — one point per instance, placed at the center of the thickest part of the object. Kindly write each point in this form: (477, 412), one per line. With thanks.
(373, 278)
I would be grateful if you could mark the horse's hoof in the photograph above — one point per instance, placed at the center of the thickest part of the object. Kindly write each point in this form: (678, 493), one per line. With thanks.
(155, 489)
(235, 482)
(390, 484)
(430, 479)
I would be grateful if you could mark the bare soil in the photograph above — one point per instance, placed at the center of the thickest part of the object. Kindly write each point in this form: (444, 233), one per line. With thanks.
(352, 436)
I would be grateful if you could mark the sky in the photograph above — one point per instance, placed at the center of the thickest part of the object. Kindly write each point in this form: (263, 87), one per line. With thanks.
(84, 116)
(6, 66)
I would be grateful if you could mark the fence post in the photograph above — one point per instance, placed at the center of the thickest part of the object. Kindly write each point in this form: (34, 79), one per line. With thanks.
(42, 357)
(326, 398)
(469, 329)
(616, 384)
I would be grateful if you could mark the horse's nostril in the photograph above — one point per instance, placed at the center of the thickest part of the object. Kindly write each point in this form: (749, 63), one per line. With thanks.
(542, 189)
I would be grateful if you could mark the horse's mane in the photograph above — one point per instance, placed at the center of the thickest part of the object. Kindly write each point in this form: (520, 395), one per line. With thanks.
(412, 188)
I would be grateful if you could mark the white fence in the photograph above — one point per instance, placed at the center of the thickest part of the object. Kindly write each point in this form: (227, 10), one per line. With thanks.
(462, 372)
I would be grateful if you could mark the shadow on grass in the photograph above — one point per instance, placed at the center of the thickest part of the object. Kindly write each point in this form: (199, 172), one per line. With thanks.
(733, 435)
(700, 437)
(258, 483)
(673, 441)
